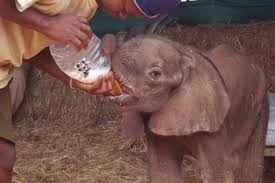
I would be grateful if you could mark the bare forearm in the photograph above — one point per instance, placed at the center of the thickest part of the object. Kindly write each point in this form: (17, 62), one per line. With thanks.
(44, 62)
(30, 18)
(62, 28)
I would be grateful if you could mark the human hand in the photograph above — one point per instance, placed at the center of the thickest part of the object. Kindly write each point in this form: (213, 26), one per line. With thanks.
(120, 8)
(69, 29)
(102, 86)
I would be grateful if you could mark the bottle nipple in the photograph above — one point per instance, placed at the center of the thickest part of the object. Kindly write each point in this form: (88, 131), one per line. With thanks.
(117, 90)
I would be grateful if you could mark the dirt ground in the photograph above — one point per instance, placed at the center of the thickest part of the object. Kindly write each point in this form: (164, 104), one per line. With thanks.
(67, 136)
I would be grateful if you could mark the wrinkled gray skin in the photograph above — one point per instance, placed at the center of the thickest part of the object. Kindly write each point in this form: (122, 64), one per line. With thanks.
(210, 105)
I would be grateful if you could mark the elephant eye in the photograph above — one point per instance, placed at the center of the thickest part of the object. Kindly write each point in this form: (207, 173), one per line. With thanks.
(155, 73)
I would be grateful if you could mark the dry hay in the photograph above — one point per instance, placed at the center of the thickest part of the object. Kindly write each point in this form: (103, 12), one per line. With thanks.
(257, 40)
(67, 136)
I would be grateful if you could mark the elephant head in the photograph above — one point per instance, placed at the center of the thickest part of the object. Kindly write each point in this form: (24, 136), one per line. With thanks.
(177, 85)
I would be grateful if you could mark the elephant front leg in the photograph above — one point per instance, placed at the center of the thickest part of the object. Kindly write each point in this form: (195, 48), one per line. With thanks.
(165, 159)
(212, 160)
(211, 175)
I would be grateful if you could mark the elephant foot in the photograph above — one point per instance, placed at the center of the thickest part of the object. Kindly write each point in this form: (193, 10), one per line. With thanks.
(214, 176)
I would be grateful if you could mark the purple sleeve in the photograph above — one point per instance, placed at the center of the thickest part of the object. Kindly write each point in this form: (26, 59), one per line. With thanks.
(155, 7)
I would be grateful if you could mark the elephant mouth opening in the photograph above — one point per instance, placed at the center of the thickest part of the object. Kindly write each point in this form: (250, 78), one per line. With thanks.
(124, 100)
(123, 85)
(127, 98)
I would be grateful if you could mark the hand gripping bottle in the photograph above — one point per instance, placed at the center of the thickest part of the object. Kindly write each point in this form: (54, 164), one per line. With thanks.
(85, 65)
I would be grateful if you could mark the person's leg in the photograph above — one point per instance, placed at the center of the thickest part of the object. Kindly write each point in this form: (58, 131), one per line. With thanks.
(7, 159)
(7, 147)
(18, 86)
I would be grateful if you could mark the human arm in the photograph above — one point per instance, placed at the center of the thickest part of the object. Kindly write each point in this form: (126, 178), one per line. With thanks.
(44, 61)
(61, 28)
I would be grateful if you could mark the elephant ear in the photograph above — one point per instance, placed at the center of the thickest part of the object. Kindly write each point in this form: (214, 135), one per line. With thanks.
(199, 104)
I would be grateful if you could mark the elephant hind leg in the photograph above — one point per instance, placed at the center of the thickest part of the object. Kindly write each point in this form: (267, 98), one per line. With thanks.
(252, 160)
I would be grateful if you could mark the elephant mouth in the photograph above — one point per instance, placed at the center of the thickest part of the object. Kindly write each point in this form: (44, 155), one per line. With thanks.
(127, 98)
(124, 101)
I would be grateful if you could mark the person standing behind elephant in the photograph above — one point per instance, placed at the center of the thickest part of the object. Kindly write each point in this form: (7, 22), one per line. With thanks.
(27, 27)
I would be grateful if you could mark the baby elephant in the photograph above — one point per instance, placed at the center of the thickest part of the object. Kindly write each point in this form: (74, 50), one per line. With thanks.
(210, 105)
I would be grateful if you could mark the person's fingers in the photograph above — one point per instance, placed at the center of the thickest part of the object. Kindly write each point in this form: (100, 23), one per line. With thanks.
(90, 88)
(112, 79)
(110, 82)
(90, 34)
(76, 42)
(81, 36)
(105, 80)
(111, 74)
(104, 86)
(84, 28)
(83, 20)
(99, 92)
(97, 84)
(110, 85)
